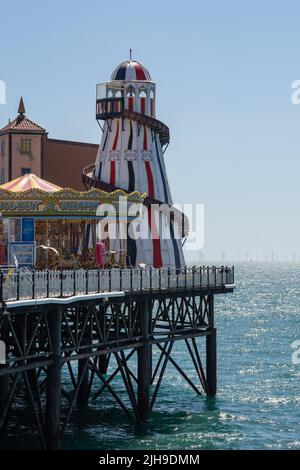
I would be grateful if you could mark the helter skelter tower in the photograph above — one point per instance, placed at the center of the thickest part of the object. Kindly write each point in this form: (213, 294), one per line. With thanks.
(131, 157)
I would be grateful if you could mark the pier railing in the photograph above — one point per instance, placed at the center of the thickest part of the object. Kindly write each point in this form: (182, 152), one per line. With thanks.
(22, 285)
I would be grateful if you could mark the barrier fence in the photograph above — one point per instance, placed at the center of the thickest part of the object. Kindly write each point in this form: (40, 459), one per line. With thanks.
(19, 284)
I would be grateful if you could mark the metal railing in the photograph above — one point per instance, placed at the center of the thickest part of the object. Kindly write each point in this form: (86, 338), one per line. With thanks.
(21, 285)
(109, 108)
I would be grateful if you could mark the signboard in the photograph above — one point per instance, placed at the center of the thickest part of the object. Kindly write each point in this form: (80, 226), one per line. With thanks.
(19, 205)
(27, 230)
(22, 253)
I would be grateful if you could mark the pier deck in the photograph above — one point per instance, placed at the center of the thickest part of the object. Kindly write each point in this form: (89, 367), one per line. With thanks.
(79, 320)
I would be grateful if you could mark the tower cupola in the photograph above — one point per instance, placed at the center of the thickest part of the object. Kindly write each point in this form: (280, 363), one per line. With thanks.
(131, 70)
(131, 88)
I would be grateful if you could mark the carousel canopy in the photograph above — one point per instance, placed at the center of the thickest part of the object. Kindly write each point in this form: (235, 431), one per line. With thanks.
(30, 181)
(31, 196)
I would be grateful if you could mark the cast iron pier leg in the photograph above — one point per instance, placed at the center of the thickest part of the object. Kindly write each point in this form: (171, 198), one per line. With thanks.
(211, 352)
(103, 363)
(4, 379)
(4, 392)
(53, 405)
(144, 363)
(103, 360)
(83, 391)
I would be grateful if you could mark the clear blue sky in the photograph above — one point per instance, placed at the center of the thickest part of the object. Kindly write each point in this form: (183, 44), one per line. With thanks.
(223, 70)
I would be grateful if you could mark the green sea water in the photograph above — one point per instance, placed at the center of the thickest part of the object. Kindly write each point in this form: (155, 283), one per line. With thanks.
(258, 401)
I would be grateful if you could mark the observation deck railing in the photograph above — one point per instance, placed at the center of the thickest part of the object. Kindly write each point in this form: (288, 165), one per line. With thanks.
(109, 108)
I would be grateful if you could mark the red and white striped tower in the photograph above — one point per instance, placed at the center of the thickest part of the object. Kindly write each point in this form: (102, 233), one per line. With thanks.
(131, 157)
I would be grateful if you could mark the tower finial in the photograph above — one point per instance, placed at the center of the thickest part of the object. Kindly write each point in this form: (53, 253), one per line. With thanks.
(21, 109)
(130, 53)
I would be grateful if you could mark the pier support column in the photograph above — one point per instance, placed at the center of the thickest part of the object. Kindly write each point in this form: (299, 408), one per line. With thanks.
(83, 368)
(103, 360)
(144, 363)
(211, 351)
(32, 378)
(4, 379)
(83, 391)
(211, 362)
(151, 361)
(53, 405)
(4, 392)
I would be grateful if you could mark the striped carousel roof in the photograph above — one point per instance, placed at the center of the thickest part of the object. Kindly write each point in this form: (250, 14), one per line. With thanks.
(131, 70)
(29, 181)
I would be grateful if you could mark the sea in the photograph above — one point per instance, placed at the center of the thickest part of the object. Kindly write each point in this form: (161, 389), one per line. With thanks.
(258, 400)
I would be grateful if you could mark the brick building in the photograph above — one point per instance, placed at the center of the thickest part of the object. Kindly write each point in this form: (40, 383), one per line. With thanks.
(26, 148)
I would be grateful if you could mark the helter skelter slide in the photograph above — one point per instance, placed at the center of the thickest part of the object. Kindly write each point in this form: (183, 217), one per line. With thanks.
(131, 157)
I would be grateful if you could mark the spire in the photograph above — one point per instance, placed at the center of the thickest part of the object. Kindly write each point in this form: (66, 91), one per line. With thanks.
(21, 109)
(130, 54)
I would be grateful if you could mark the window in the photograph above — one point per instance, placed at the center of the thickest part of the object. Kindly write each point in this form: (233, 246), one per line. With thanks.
(15, 230)
(151, 103)
(143, 97)
(11, 230)
(24, 171)
(26, 146)
(2, 148)
(2, 176)
(130, 97)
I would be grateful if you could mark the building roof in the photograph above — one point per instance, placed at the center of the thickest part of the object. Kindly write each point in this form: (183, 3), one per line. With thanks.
(30, 181)
(131, 70)
(22, 124)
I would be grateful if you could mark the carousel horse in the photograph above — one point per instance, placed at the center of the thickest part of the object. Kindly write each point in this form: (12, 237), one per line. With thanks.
(47, 257)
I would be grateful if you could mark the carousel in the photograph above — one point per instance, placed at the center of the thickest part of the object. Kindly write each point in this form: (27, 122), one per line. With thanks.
(44, 226)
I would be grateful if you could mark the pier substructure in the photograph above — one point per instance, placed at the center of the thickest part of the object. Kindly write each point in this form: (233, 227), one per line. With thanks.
(211, 351)
(83, 369)
(211, 362)
(144, 362)
(4, 381)
(4, 393)
(53, 382)
(103, 360)
(138, 331)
